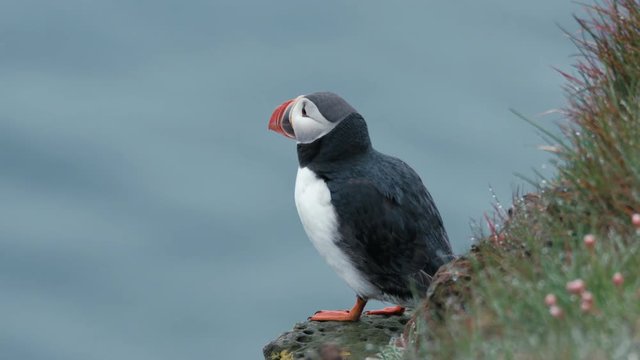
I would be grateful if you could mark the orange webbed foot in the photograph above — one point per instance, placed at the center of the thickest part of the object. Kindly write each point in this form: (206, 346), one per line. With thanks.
(341, 315)
(390, 310)
(334, 315)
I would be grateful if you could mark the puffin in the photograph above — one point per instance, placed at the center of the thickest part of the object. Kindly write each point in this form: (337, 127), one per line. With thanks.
(368, 214)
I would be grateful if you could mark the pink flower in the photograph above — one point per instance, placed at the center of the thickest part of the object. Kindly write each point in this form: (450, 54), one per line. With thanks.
(555, 311)
(576, 286)
(550, 300)
(587, 297)
(617, 279)
(635, 220)
(586, 306)
(589, 241)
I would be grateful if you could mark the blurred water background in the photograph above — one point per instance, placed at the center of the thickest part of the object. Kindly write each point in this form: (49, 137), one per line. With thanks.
(147, 213)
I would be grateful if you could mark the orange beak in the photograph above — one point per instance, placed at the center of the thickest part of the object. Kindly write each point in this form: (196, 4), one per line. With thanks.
(278, 117)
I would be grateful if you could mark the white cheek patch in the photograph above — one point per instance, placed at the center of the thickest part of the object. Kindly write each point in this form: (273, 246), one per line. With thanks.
(307, 130)
(311, 127)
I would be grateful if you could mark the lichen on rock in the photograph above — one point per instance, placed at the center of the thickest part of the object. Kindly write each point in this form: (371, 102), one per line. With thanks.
(336, 340)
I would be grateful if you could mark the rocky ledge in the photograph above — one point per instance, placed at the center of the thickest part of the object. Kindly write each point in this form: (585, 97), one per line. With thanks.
(335, 340)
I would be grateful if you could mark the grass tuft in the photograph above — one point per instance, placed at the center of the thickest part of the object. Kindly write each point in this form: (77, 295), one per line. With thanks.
(558, 276)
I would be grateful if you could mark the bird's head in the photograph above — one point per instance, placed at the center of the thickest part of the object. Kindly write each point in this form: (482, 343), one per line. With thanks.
(309, 117)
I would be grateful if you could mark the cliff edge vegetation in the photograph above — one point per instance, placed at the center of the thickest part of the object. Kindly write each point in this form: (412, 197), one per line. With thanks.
(558, 274)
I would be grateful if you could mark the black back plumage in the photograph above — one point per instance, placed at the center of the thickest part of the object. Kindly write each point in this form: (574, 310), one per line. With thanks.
(388, 223)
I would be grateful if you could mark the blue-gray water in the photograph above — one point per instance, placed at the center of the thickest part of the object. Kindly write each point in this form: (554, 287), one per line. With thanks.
(147, 213)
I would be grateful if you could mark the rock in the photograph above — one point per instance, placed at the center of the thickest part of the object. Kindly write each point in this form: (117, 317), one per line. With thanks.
(332, 340)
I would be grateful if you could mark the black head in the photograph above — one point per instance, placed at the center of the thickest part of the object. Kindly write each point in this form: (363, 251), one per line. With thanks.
(325, 126)
(331, 106)
(310, 117)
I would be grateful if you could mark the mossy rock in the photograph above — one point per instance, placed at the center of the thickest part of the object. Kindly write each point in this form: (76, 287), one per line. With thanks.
(336, 340)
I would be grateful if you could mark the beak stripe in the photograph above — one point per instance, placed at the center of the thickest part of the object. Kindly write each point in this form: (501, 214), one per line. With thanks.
(275, 122)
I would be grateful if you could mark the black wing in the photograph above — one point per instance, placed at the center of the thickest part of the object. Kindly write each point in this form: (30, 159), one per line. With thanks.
(390, 227)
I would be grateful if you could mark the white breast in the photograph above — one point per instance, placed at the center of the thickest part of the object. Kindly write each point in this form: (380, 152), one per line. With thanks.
(319, 219)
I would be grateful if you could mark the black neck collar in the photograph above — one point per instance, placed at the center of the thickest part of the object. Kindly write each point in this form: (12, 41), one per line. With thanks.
(349, 138)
